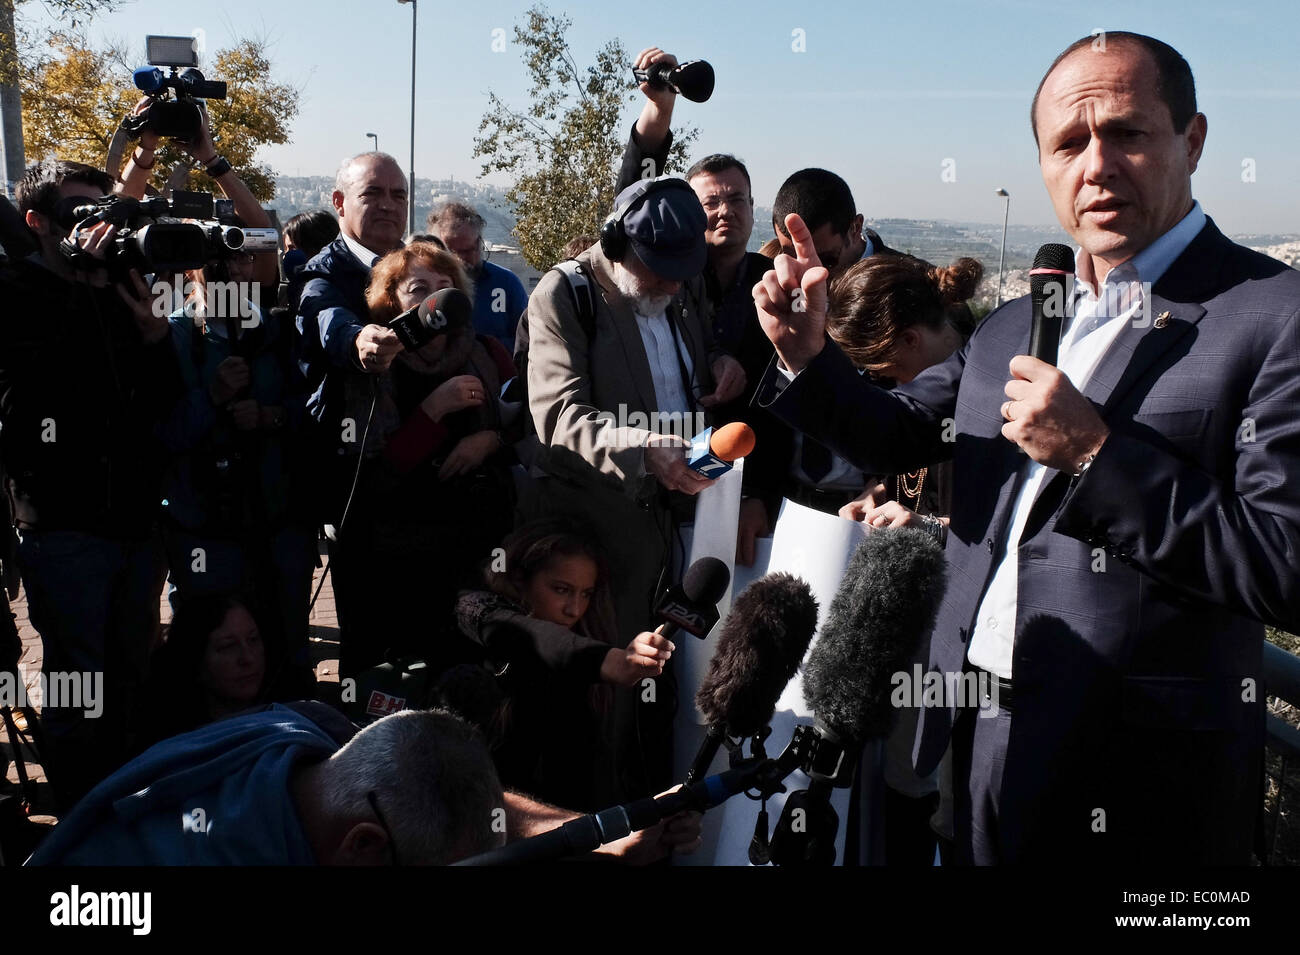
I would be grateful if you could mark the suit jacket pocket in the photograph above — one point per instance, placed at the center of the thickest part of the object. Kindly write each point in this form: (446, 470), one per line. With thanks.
(1181, 431)
(1183, 703)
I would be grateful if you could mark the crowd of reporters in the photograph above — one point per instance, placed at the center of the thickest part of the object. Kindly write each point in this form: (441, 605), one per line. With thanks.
(164, 431)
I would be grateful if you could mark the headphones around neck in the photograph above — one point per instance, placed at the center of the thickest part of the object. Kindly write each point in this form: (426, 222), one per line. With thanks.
(613, 234)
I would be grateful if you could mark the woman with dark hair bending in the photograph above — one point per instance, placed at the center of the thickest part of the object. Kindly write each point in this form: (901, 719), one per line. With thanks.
(895, 316)
(546, 625)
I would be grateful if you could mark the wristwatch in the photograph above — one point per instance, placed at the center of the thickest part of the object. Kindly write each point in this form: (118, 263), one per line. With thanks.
(218, 167)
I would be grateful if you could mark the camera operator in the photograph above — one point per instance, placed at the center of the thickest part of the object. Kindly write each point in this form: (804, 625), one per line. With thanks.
(138, 171)
(234, 517)
(86, 375)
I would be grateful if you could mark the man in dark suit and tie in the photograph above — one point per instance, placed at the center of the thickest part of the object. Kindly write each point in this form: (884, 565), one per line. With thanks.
(1121, 523)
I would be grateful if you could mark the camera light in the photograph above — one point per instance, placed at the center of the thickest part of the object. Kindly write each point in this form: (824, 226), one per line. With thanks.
(171, 51)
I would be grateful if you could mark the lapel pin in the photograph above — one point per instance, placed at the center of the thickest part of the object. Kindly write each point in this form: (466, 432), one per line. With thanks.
(1162, 320)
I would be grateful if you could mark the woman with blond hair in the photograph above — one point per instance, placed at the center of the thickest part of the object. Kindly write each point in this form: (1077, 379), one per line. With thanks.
(433, 493)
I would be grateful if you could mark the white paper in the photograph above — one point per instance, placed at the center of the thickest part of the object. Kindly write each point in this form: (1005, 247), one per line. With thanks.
(816, 547)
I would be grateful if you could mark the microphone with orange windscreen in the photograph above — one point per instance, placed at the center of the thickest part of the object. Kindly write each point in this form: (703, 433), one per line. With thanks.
(712, 452)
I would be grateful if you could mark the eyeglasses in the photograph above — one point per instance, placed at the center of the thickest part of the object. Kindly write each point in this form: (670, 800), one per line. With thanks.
(383, 824)
(732, 199)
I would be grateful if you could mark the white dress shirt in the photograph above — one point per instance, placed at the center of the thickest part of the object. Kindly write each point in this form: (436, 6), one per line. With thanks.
(1098, 320)
(663, 346)
(367, 258)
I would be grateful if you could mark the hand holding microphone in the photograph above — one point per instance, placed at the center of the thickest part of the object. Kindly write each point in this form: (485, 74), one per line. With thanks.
(665, 458)
(644, 657)
(661, 77)
(713, 452)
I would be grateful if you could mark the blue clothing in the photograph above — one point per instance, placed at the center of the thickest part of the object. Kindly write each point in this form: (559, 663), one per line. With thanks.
(196, 427)
(216, 796)
(499, 300)
(331, 313)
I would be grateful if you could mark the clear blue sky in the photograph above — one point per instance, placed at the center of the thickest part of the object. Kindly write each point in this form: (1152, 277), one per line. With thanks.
(883, 95)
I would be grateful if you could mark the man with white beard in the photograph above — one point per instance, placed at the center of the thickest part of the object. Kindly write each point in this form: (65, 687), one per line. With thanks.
(628, 334)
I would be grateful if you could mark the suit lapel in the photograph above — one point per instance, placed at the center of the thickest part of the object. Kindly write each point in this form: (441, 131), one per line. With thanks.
(629, 333)
(1174, 311)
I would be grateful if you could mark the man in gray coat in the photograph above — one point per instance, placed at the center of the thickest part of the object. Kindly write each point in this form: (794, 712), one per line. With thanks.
(620, 379)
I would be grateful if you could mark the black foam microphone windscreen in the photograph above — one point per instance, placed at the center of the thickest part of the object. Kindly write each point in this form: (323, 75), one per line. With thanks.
(885, 606)
(761, 644)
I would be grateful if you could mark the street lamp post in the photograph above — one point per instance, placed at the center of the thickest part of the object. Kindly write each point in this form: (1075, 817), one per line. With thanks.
(374, 141)
(1002, 255)
(410, 192)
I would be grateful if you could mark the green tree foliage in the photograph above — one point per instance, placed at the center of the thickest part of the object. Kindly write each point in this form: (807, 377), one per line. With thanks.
(74, 97)
(562, 151)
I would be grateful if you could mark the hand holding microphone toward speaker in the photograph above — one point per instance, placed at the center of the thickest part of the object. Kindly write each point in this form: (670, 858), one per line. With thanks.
(644, 657)
(665, 458)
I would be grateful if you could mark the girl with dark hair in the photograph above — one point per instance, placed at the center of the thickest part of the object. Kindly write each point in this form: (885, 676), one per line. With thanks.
(546, 625)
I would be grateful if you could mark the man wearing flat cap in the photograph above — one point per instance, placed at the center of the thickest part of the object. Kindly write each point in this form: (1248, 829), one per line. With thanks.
(617, 381)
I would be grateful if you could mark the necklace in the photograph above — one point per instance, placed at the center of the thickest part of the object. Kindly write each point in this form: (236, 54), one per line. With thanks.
(906, 490)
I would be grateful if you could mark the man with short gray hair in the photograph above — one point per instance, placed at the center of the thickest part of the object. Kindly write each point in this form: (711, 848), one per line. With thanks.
(499, 296)
(274, 787)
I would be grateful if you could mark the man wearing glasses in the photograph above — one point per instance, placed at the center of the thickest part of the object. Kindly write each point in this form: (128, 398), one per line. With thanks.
(721, 183)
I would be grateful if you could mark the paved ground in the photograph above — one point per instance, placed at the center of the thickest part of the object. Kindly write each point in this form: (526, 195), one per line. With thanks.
(324, 645)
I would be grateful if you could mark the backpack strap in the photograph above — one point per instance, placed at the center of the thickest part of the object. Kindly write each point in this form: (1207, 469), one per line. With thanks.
(584, 295)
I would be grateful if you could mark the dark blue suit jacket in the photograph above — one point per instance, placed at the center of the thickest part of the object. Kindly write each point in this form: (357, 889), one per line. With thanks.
(1137, 727)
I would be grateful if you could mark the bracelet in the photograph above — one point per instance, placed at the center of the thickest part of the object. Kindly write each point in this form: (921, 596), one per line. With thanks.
(935, 528)
(1086, 463)
(218, 167)
(135, 158)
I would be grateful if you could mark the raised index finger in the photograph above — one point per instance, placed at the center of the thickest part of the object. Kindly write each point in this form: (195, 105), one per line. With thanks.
(804, 250)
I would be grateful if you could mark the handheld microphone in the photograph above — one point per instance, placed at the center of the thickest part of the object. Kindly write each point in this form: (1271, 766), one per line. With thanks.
(760, 647)
(713, 452)
(693, 606)
(692, 79)
(1050, 288)
(441, 311)
(594, 830)
(884, 608)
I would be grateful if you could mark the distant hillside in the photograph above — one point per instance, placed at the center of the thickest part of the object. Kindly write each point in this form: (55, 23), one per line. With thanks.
(936, 240)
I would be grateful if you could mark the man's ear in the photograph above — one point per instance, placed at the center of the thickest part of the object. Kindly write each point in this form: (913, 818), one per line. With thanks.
(365, 843)
(1195, 134)
(337, 199)
(856, 228)
(35, 221)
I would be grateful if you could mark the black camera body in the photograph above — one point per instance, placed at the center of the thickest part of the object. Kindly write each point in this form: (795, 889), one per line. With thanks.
(150, 239)
(177, 116)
